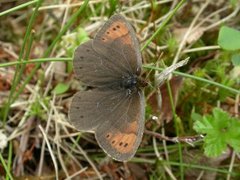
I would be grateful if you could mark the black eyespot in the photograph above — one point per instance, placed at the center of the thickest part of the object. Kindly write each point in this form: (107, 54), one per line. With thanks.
(88, 50)
(77, 107)
(81, 116)
(114, 29)
(103, 39)
(118, 26)
(108, 32)
(80, 67)
(107, 136)
(121, 143)
(113, 142)
(81, 57)
(126, 144)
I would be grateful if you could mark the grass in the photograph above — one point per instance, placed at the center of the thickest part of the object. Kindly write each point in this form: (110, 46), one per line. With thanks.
(41, 142)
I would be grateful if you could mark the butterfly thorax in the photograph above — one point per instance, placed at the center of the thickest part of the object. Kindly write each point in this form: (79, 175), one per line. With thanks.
(132, 82)
(129, 82)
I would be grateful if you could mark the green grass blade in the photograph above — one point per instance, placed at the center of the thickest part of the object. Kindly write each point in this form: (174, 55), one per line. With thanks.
(5, 167)
(235, 91)
(17, 74)
(9, 158)
(72, 19)
(176, 129)
(40, 60)
(44, 60)
(66, 27)
(18, 7)
(163, 24)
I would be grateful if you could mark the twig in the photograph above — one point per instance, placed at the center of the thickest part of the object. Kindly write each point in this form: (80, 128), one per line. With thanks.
(186, 139)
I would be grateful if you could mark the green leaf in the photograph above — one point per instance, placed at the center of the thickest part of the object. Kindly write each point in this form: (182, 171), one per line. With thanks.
(70, 42)
(229, 38)
(236, 59)
(113, 6)
(60, 88)
(196, 116)
(234, 2)
(214, 145)
(221, 130)
(82, 36)
(220, 119)
(203, 126)
(233, 138)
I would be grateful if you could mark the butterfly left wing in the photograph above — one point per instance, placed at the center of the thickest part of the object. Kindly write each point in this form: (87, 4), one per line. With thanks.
(95, 69)
(121, 135)
(91, 108)
(118, 35)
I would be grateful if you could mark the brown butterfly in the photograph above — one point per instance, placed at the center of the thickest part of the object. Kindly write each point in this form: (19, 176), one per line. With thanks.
(114, 107)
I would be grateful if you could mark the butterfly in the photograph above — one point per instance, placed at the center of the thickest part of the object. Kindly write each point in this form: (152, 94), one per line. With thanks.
(114, 106)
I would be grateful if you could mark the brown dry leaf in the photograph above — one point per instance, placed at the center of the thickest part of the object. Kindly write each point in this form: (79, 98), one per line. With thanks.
(59, 69)
(28, 69)
(47, 170)
(88, 174)
(4, 83)
(2, 171)
(7, 4)
(73, 167)
(166, 109)
(137, 171)
(50, 177)
(195, 35)
(28, 154)
(111, 170)
(3, 54)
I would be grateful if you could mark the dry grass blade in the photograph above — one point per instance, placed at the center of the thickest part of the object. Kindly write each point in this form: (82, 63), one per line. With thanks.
(50, 151)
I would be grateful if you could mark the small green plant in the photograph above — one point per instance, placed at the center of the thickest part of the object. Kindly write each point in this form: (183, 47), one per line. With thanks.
(236, 59)
(61, 88)
(229, 40)
(220, 129)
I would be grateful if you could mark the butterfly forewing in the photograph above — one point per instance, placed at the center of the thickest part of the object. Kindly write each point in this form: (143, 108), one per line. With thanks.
(95, 69)
(118, 35)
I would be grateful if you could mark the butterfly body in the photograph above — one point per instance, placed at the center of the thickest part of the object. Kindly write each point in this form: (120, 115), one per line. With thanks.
(114, 107)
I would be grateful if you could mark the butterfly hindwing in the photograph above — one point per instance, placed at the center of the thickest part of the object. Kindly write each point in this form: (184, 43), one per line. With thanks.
(91, 108)
(121, 135)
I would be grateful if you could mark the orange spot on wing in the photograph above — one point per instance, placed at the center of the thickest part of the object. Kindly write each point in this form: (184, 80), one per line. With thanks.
(132, 127)
(116, 30)
(124, 142)
(127, 40)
